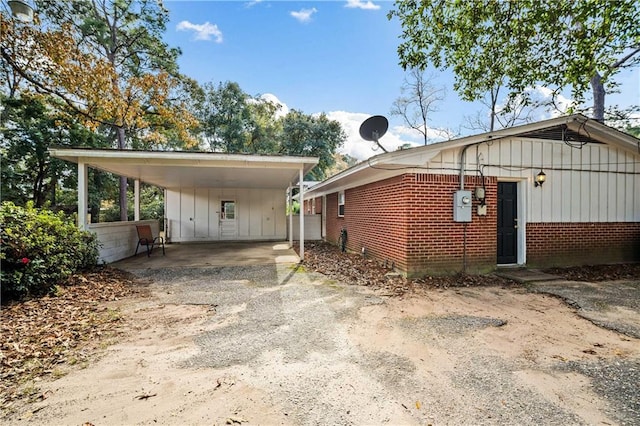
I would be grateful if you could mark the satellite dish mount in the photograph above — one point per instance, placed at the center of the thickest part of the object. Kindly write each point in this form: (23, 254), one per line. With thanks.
(373, 128)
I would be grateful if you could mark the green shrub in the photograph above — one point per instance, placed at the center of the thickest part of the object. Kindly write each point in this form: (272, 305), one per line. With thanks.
(40, 249)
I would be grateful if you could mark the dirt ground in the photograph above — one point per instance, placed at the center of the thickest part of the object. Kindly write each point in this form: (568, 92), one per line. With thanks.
(289, 346)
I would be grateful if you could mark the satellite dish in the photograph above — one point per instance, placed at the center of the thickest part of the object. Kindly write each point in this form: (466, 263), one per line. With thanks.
(373, 128)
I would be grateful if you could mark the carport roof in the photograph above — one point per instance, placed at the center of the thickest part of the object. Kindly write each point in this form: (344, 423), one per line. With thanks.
(173, 169)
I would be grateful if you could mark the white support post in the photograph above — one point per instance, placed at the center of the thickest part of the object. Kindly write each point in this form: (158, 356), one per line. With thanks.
(290, 202)
(301, 214)
(136, 200)
(83, 195)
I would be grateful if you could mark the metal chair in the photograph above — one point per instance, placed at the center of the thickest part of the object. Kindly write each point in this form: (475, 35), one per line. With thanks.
(145, 238)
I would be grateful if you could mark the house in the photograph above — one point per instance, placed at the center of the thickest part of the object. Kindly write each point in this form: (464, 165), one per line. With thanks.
(208, 196)
(559, 192)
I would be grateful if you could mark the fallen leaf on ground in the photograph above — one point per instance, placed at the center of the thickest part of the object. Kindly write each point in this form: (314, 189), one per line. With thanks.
(41, 337)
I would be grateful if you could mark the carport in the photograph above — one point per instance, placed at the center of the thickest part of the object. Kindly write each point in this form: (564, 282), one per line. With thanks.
(219, 254)
(195, 173)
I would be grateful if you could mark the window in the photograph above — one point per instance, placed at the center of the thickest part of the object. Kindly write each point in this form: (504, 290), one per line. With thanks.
(227, 210)
(341, 204)
(313, 206)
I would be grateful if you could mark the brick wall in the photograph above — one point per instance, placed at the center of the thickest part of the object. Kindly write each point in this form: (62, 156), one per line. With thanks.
(435, 243)
(567, 244)
(375, 218)
(308, 205)
(408, 220)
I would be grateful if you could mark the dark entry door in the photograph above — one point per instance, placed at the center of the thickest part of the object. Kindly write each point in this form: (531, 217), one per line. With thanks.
(507, 222)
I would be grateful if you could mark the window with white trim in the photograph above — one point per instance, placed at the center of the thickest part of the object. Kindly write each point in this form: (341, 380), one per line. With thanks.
(313, 206)
(341, 204)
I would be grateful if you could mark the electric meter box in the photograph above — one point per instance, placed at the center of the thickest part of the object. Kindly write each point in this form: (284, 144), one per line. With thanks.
(462, 206)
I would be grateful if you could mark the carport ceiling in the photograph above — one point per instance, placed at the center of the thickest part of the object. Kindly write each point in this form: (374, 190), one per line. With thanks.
(174, 169)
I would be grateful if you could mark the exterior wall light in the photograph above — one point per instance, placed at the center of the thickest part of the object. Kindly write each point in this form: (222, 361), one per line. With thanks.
(21, 9)
(540, 179)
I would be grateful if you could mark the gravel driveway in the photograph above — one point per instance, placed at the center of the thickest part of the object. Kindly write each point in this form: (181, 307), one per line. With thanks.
(279, 345)
(300, 338)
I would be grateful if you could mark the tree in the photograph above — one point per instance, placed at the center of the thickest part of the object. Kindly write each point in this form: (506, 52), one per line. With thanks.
(233, 121)
(263, 128)
(514, 111)
(28, 172)
(106, 61)
(311, 136)
(417, 100)
(633, 130)
(519, 44)
(224, 115)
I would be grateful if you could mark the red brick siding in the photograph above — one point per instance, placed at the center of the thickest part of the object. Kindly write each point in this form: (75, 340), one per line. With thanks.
(435, 243)
(568, 244)
(308, 206)
(408, 220)
(375, 218)
(319, 205)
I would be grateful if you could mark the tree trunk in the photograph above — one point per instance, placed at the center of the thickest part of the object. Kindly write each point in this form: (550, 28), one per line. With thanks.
(598, 97)
(494, 103)
(39, 196)
(123, 179)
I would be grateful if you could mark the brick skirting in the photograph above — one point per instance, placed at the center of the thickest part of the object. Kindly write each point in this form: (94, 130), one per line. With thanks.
(571, 244)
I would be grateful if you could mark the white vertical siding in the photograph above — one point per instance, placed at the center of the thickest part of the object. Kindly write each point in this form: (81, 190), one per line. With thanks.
(260, 213)
(187, 212)
(585, 182)
(214, 212)
(279, 200)
(632, 195)
(255, 222)
(118, 240)
(201, 214)
(594, 183)
(172, 213)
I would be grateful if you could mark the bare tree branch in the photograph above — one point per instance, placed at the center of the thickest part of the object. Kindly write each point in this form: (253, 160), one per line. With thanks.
(417, 101)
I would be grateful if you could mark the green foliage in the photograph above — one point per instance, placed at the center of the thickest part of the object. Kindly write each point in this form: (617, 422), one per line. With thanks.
(234, 122)
(524, 43)
(294, 208)
(40, 249)
(151, 205)
(633, 130)
(312, 136)
(223, 117)
(30, 126)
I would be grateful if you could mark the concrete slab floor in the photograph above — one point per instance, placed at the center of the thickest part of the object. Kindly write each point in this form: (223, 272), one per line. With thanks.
(523, 275)
(211, 254)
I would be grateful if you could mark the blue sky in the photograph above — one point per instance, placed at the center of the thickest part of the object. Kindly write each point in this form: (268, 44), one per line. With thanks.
(337, 57)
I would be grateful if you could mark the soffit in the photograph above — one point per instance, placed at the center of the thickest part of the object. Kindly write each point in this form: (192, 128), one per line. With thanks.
(171, 169)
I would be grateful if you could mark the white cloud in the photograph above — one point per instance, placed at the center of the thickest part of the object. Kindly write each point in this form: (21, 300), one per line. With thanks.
(357, 147)
(252, 3)
(202, 31)
(283, 108)
(359, 4)
(304, 15)
(415, 137)
(540, 93)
